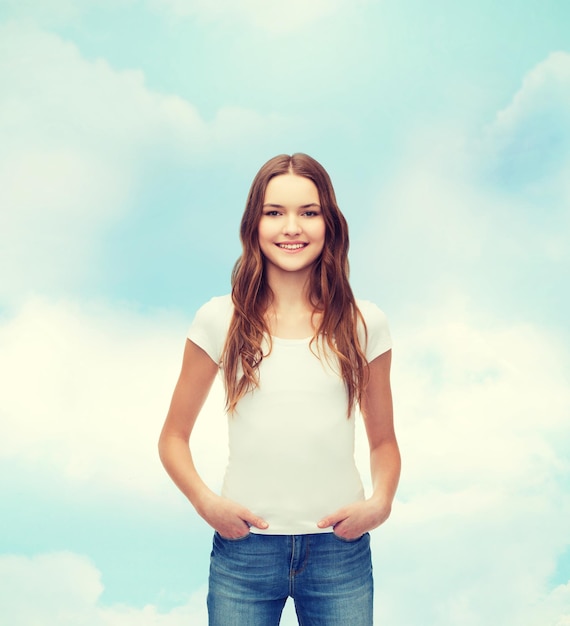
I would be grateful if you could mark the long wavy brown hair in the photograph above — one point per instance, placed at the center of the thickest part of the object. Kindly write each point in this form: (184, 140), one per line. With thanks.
(329, 290)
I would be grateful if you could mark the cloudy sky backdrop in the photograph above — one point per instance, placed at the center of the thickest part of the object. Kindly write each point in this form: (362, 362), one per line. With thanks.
(130, 131)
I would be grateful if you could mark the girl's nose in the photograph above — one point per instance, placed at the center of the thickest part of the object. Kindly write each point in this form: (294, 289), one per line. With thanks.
(292, 226)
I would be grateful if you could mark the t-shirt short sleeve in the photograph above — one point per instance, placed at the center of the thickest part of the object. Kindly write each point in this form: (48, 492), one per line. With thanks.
(379, 339)
(210, 326)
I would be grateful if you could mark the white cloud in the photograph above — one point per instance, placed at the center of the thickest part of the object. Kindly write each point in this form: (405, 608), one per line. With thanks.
(482, 414)
(53, 581)
(545, 88)
(51, 11)
(482, 219)
(77, 139)
(53, 96)
(556, 608)
(494, 394)
(432, 225)
(86, 390)
(269, 15)
(528, 143)
(57, 12)
(64, 589)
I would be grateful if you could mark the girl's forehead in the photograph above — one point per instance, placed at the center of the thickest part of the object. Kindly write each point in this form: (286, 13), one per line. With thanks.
(291, 187)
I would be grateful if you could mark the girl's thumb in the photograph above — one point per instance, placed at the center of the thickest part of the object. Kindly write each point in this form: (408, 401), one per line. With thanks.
(253, 520)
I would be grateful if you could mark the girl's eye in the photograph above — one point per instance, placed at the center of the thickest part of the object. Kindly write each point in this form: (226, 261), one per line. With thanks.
(311, 213)
(271, 213)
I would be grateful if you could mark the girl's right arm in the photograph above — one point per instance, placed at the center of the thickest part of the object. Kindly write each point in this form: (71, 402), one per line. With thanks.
(230, 519)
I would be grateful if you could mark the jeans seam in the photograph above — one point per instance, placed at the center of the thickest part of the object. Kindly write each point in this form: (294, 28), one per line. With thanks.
(292, 544)
(306, 557)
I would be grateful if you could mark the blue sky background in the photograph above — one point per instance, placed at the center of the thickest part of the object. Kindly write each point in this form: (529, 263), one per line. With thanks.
(130, 131)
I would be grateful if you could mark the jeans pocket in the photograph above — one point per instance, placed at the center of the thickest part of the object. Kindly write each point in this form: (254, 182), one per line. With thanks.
(247, 536)
(344, 540)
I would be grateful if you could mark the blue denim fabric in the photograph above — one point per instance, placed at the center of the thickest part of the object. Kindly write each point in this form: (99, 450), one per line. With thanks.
(329, 579)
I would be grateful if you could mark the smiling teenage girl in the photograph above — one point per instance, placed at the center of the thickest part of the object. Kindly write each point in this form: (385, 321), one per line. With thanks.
(297, 354)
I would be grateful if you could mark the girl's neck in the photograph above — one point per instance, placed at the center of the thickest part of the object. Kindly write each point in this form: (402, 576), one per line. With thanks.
(290, 314)
(289, 289)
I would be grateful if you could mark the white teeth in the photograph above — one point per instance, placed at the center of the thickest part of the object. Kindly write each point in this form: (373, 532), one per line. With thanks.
(291, 246)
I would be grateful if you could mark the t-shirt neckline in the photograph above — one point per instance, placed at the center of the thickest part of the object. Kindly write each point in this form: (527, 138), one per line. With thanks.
(282, 340)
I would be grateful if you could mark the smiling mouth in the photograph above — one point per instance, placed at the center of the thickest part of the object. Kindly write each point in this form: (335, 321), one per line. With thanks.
(292, 246)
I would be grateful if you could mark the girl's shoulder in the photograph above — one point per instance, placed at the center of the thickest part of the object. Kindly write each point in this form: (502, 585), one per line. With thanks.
(376, 338)
(216, 313)
(218, 305)
(371, 312)
(210, 325)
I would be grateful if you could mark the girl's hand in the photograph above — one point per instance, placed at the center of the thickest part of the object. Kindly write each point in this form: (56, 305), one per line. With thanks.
(229, 518)
(352, 521)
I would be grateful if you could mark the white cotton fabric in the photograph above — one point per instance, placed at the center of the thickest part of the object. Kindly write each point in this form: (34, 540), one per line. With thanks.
(291, 445)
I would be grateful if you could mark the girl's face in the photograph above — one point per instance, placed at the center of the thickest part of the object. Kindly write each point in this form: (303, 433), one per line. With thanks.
(291, 230)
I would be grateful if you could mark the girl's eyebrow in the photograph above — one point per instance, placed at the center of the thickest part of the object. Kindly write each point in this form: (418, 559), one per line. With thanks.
(303, 206)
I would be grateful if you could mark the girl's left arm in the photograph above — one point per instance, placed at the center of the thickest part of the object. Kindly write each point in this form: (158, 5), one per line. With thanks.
(355, 519)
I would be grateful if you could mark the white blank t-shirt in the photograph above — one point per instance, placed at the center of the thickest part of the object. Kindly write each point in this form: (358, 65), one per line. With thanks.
(291, 444)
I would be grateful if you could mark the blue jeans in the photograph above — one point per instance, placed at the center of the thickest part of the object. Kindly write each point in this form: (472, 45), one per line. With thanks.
(329, 579)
